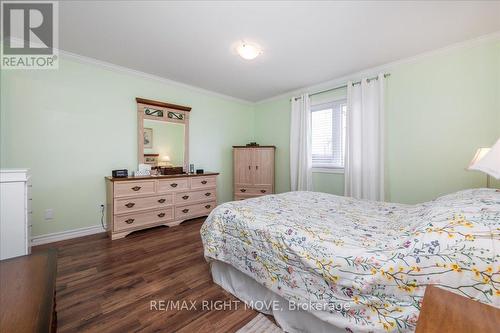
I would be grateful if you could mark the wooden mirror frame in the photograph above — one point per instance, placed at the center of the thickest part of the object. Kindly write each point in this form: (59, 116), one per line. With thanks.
(170, 111)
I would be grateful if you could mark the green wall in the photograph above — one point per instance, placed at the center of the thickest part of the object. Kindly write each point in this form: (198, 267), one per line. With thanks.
(73, 125)
(439, 109)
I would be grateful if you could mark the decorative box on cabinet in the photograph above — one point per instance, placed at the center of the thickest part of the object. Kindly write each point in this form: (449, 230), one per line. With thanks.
(136, 203)
(253, 171)
(15, 213)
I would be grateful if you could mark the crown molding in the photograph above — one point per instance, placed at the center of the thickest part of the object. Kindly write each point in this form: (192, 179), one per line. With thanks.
(130, 71)
(309, 89)
(495, 36)
(127, 70)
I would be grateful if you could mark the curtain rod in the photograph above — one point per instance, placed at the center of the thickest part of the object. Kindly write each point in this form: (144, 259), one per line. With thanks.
(343, 86)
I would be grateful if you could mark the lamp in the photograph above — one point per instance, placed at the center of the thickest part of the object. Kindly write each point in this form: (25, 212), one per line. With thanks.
(165, 161)
(487, 160)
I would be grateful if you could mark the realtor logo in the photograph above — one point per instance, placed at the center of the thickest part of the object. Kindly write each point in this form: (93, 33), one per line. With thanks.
(29, 35)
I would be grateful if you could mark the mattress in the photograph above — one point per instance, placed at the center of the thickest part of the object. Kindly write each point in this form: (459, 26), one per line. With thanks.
(361, 265)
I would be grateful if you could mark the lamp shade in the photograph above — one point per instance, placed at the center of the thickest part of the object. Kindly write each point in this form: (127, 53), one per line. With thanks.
(487, 160)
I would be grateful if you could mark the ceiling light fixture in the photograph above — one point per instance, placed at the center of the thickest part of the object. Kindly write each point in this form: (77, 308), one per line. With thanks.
(248, 51)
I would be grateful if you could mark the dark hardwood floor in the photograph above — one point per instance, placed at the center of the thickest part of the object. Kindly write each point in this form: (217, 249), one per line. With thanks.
(105, 286)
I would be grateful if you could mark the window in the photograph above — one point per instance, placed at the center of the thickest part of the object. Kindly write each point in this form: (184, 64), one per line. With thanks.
(328, 134)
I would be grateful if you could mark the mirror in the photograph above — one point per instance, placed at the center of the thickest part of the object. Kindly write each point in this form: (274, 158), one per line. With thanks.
(163, 143)
(163, 134)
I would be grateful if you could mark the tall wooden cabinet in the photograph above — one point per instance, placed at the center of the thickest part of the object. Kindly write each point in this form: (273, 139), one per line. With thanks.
(253, 171)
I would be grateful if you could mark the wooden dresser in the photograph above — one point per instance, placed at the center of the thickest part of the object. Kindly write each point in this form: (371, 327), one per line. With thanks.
(253, 171)
(27, 293)
(136, 203)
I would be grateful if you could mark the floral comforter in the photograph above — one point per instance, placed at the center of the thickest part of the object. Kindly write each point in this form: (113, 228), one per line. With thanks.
(373, 258)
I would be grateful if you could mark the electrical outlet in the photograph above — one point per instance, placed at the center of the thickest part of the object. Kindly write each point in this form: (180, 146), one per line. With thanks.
(49, 214)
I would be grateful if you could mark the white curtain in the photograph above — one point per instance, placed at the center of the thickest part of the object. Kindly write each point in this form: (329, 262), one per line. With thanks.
(300, 144)
(364, 160)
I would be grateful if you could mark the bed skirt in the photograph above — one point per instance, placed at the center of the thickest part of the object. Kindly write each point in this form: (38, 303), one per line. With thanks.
(263, 300)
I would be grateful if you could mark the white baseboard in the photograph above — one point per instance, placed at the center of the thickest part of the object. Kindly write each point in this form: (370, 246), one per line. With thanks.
(63, 235)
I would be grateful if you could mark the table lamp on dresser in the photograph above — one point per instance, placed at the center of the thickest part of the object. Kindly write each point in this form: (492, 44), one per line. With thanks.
(487, 160)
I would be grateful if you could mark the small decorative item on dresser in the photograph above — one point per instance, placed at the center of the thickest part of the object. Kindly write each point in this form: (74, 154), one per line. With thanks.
(121, 173)
(252, 144)
(199, 171)
(191, 168)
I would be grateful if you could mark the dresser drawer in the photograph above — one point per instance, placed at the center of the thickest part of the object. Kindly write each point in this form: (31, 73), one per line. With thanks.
(128, 221)
(170, 185)
(141, 203)
(201, 209)
(203, 182)
(254, 190)
(195, 196)
(126, 188)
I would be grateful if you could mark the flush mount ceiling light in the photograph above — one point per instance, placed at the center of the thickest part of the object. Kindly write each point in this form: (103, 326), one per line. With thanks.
(248, 50)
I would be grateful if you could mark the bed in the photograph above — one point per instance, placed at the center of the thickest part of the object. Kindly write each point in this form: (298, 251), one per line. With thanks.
(337, 264)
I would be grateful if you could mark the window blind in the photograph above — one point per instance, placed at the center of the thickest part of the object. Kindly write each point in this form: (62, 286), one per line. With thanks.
(328, 134)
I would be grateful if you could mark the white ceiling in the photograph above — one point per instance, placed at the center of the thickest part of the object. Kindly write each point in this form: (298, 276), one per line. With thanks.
(304, 43)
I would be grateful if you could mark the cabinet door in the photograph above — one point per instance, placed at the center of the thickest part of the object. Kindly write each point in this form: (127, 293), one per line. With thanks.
(242, 166)
(263, 162)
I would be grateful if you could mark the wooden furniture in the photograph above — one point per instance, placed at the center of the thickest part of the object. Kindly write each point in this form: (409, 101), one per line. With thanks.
(136, 203)
(15, 213)
(446, 312)
(27, 293)
(163, 112)
(253, 171)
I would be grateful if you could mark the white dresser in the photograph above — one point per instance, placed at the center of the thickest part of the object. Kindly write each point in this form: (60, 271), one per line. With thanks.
(15, 213)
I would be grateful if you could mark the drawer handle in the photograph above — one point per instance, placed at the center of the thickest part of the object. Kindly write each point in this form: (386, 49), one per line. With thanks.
(207, 206)
(161, 214)
(208, 194)
(162, 200)
(243, 190)
(185, 197)
(136, 188)
(185, 210)
(130, 205)
(203, 182)
(173, 184)
(262, 191)
(129, 221)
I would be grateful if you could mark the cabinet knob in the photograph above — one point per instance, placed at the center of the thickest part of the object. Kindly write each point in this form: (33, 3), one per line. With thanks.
(130, 205)
(243, 190)
(203, 182)
(207, 206)
(185, 210)
(161, 214)
(173, 184)
(129, 221)
(161, 200)
(262, 191)
(185, 197)
(256, 167)
(136, 188)
(208, 194)
(249, 167)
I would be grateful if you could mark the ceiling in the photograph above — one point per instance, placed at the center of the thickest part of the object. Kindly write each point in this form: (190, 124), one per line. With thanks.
(304, 43)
